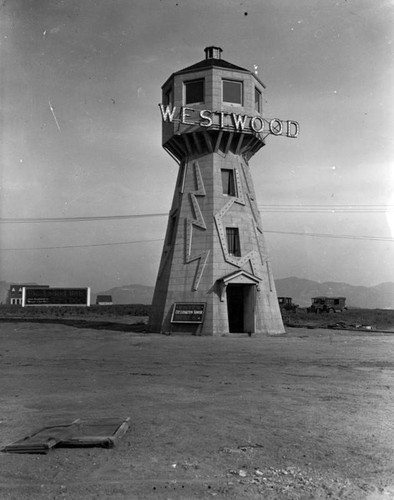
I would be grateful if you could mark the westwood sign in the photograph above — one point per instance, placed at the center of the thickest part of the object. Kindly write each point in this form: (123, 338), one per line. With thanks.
(223, 120)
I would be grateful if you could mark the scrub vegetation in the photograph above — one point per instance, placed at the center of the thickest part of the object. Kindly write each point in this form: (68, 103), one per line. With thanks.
(359, 319)
(119, 310)
(351, 319)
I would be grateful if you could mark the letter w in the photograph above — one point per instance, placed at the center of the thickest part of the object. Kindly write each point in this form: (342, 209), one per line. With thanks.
(239, 121)
(167, 113)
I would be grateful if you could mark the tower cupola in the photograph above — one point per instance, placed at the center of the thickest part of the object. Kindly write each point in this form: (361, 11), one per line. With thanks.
(213, 52)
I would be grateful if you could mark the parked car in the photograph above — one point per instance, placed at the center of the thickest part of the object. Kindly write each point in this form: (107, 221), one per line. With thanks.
(327, 304)
(286, 304)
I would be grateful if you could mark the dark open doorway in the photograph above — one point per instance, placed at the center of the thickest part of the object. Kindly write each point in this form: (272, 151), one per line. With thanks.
(241, 308)
(235, 308)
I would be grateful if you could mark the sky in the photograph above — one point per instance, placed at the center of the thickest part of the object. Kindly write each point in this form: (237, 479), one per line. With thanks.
(80, 133)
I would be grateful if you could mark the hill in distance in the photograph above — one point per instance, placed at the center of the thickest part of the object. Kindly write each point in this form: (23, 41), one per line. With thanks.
(301, 290)
(128, 294)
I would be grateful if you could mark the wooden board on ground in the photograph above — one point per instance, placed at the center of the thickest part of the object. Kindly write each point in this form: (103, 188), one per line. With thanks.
(105, 433)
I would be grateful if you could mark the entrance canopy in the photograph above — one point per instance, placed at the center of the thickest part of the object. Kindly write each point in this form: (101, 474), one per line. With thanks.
(240, 277)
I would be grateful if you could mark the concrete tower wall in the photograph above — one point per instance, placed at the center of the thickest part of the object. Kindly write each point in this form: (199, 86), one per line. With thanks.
(195, 257)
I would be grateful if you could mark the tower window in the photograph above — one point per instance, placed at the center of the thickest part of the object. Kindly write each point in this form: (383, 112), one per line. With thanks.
(228, 182)
(232, 91)
(233, 246)
(194, 91)
(257, 100)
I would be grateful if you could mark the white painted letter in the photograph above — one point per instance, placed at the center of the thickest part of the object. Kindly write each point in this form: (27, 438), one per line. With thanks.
(185, 115)
(253, 124)
(203, 115)
(239, 121)
(296, 128)
(166, 113)
(276, 126)
(221, 119)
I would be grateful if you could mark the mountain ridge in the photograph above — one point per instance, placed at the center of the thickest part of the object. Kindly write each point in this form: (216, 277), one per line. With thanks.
(380, 296)
(301, 290)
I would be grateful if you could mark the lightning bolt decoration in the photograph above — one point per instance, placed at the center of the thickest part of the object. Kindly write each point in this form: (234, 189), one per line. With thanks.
(251, 256)
(197, 221)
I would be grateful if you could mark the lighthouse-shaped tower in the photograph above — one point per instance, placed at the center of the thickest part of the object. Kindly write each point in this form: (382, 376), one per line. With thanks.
(214, 276)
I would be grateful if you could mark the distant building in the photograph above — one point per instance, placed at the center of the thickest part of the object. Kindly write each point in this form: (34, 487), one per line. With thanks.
(104, 300)
(58, 296)
(14, 297)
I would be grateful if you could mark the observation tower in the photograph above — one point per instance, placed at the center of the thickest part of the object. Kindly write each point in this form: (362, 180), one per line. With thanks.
(215, 276)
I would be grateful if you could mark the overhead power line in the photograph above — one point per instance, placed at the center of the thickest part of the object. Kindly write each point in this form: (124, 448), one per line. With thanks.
(263, 208)
(294, 233)
(332, 209)
(36, 220)
(61, 247)
(345, 205)
(338, 236)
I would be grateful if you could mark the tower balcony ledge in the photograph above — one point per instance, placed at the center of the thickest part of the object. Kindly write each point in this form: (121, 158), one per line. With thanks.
(197, 140)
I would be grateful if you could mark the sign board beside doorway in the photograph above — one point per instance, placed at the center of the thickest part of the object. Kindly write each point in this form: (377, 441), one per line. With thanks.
(186, 312)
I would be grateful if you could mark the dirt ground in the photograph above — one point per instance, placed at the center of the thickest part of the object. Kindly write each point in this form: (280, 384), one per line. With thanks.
(307, 415)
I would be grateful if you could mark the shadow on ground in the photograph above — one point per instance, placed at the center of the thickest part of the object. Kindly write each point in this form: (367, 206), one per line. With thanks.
(83, 323)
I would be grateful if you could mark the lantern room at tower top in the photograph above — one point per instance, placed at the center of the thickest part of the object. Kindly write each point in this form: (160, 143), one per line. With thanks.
(214, 276)
(216, 96)
(208, 94)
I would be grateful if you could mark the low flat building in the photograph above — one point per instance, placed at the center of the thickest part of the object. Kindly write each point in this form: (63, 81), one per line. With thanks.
(104, 300)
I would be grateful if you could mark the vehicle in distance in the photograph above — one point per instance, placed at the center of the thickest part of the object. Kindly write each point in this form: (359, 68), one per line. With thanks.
(327, 304)
(286, 304)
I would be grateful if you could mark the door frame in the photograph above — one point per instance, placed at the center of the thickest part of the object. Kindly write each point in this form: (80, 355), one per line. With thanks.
(250, 285)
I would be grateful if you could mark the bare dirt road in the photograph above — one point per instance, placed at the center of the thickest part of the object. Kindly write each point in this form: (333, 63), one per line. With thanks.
(305, 415)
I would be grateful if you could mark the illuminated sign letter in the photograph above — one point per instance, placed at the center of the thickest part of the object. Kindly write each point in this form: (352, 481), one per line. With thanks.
(166, 113)
(253, 124)
(239, 121)
(276, 126)
(203, 115)
(296, 128)
(221, 119)
(185, 115)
